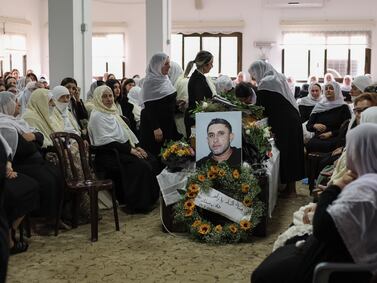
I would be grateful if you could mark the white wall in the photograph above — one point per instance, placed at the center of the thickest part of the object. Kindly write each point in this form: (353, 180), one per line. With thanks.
(259, 24)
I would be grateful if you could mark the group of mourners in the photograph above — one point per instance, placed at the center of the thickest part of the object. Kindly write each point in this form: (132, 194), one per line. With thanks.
(136, 116)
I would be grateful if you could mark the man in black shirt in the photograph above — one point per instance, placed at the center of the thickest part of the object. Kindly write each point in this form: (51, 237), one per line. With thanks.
(219, 137)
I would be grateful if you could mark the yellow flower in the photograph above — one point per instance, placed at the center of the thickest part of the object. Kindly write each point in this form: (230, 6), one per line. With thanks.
(189, 212)
(204, 229)
(189, 204)
(201, 178)
(245, 225)
(191, 194)
(221, 172)
(196, 223)
(180, 152)
(211, 175)
(194, 188)
(236, 174)
(233, 228)
(247, 201)
(214, 169)
(245, 188)
(218, 229)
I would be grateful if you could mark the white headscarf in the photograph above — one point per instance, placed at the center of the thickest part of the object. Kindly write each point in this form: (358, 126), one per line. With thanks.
(156, 85)
(7, 107)
(325, 104)
(24, 96)
(63, 114)
(354, 211)
(134, 95)
(369, 115)
(309, 100)
(174, 72)
(223, 84)
(269, 79)
(105, 124)
(89, 94)
(361, 82)
(9, 138)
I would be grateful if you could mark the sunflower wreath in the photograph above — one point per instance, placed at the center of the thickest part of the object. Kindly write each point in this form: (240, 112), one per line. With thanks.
(239, 184)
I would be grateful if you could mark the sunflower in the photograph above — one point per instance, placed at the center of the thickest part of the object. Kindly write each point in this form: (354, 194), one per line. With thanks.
(211, 175)
(233, 228)
(194, 188)
(201, 178)
(188, 212)
(247, 201)
(214, 169)
(191, 194)
(196, 223)
(204, 229)
(218, 228)
(245, 225)
(221, 172)
(245, 188)
(189, 204)
(236, 174)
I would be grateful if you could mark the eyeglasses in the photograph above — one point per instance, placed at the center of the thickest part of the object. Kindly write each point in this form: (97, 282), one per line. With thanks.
(359, 110)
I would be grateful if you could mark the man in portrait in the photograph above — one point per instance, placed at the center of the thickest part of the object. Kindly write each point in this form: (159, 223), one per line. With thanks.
(219, 138)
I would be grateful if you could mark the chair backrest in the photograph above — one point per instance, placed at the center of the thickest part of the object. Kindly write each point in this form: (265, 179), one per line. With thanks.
(72, 154)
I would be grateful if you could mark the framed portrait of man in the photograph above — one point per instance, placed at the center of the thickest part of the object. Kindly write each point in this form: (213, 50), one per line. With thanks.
(219, 138)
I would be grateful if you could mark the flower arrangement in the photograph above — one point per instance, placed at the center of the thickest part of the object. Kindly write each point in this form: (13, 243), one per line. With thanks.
(176, 154)
(259, 137)
(238, 184)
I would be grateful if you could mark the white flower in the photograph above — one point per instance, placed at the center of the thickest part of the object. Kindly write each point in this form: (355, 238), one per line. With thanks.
(205, 105)
(266, 132)
(246, 165)
(248, 132)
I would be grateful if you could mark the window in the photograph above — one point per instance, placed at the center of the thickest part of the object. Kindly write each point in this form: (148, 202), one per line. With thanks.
(315, 53)
(108, 54)
(226, 50)
(12, 51)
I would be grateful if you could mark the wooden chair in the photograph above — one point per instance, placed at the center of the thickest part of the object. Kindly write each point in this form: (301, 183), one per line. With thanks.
(75, 184)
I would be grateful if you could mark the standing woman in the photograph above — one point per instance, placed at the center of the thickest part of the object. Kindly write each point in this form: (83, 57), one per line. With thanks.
(199, 85)
(281, 109)
(157, 123)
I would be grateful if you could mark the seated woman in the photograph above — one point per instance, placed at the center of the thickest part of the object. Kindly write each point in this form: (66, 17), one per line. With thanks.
(19, 192)
(326, 119)
(307, 103)
(125, 108)
(28, 159)
(108, 130)
(134, 97)
(343, 224)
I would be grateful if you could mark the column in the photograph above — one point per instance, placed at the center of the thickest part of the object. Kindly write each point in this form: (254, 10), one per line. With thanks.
(70, 42)
(158, 17)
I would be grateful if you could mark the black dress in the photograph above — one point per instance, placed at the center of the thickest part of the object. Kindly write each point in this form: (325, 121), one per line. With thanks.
(158, 114)
(286, 125)
(305, 112)
(79, 112)
(127, 109)
(332, 119)
(30, 162)
(141, 188)
(198, 89)
(4, 228)
(296, 265)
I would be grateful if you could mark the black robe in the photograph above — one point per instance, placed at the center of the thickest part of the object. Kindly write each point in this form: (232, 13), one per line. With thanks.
(158, 114)
(332, 119)
(296, 265)
(286, 125)
(127, 109)
(140, 187)
(30, 162)
(4, 229)
(305, 112)
(198, 89)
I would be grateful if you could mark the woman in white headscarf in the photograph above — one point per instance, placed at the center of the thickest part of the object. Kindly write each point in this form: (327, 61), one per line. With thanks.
(108, 130)
(224, 84)
(307, 103)
(344, 223)
(25, 94)
(180, 83)
(326, 119)
(281, 109)
(134, 97)
(28, 159)
(159, 99)
(63, 116)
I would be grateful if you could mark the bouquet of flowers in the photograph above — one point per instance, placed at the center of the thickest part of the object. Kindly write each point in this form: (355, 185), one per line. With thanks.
(258, 137)
(177, 155)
